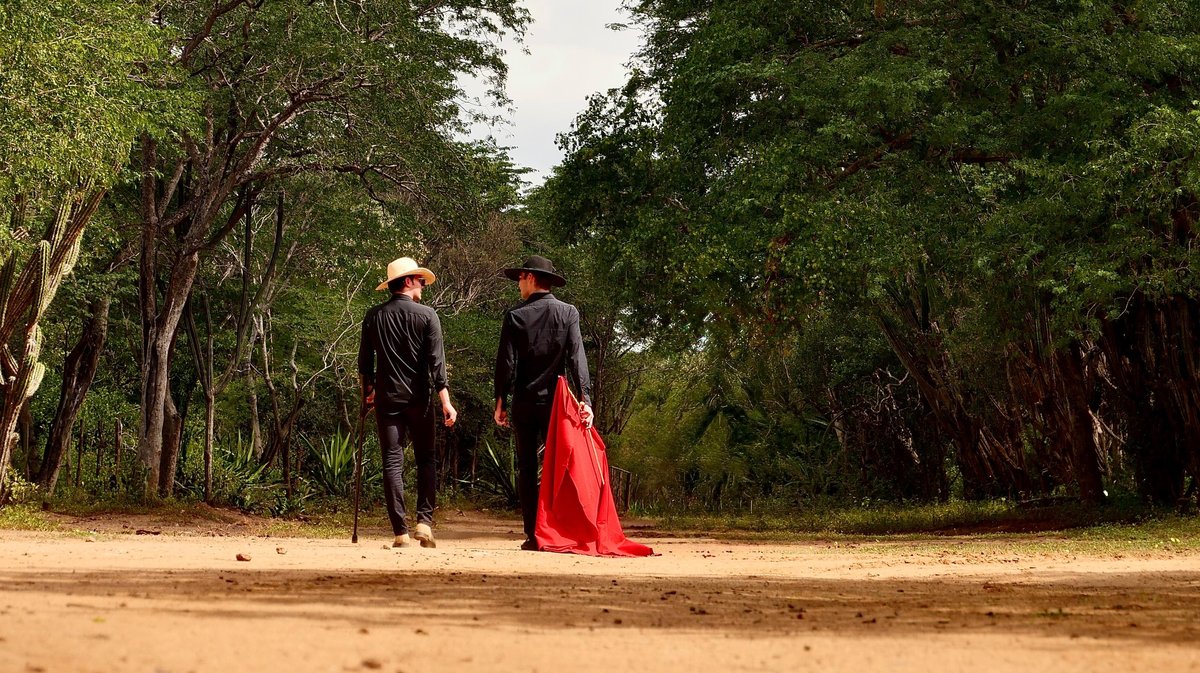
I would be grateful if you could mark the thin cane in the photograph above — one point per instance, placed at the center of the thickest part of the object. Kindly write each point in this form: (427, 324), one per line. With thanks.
(358, 467)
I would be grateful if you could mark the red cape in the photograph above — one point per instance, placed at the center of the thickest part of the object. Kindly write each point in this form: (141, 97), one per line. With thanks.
(576, 512)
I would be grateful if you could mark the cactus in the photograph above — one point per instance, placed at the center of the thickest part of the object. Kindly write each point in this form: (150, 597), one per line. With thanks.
(7, 275)
(71, 259)
(30, 371)
(44, 285)
(35, 380)
(33, 347)
(27, 297)
(58, 228)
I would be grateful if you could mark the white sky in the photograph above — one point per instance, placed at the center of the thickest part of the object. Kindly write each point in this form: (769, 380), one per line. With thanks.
(572, 54)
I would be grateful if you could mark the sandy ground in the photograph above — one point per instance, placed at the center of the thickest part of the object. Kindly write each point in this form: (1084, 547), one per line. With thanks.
(106, 599)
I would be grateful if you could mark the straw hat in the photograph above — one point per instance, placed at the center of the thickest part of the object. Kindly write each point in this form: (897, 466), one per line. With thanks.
(539, 265)
(406, 266)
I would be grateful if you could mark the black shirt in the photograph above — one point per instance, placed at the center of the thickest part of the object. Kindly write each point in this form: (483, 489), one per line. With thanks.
(406, 338)
(539, 341)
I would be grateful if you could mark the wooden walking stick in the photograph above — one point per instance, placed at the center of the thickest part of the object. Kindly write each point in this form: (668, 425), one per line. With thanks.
(358, 468)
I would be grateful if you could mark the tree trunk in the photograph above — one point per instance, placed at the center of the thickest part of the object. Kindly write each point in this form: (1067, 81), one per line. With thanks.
(157, 404)
(119, 446)
(1085, 457)
(1151, 353)
(98, 437)
(210, 410)
(169, 448)
(160, 327)
(25, 426)
(79, 370)
(79, 443)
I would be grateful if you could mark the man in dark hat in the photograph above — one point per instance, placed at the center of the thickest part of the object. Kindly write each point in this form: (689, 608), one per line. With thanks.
(539, 341)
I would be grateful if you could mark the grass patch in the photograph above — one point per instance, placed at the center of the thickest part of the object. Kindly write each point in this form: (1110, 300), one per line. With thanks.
(325, 525)
(24, 517)
(1062, 527)
(966, 527)
(83, 505)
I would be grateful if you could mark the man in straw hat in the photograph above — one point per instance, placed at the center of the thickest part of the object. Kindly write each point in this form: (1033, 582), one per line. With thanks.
(404, 339)
(539, 341)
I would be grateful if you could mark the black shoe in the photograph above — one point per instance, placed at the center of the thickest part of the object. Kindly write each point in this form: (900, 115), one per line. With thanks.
(529, 545)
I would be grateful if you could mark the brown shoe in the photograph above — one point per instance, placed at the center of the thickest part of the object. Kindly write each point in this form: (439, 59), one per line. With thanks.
(403, 541)
(529, 545)
(424, 534)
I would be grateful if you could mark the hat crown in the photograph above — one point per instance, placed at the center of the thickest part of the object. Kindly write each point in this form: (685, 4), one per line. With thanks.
(406, 266)
(539, 263)
(402, 267)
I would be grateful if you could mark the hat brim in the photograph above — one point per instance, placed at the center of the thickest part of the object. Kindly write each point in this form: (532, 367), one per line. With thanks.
(555, 279)
(430, 279)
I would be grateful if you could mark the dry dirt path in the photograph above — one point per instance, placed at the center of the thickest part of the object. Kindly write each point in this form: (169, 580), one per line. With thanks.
(179, 602)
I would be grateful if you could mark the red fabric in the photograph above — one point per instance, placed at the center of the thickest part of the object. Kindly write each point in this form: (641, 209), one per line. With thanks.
(576, 512)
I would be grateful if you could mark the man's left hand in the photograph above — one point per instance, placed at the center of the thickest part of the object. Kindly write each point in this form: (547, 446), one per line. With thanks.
(585, 413)
(450, 413)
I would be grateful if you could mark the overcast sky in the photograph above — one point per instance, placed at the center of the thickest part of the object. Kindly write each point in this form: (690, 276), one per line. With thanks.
(572, 54)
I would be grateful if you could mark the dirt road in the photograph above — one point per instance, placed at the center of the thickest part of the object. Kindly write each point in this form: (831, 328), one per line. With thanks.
(179, 601)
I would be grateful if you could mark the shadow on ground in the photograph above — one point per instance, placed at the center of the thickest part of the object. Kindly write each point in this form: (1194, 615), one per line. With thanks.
(1138, 606)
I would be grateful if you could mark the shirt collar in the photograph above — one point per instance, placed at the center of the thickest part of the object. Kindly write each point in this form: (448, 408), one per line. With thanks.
(537, 296)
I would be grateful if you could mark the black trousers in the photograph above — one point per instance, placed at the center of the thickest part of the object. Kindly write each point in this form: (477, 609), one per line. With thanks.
(530, 423)
(396, 426)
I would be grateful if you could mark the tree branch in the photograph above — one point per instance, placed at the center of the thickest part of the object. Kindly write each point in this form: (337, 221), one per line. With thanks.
(217, 12)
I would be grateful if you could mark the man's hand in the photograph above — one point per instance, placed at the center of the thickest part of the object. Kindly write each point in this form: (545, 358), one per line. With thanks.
(501, 416)
(368, 401)
(448, 410)
(585, 413)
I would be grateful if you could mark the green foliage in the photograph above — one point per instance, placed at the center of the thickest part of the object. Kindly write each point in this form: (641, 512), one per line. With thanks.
(901, 212)
(1118, 528)
(497, 475)
(240, 479)
(24, 517)
(333, 471)
(17, 491)
(78, 82)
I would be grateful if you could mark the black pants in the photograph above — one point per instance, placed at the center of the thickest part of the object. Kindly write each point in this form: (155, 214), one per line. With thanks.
(530, 423)
(396, 426)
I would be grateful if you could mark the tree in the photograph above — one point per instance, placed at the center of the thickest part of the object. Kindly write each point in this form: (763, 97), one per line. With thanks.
(75, 91)
(1001, 188)
(365, 89)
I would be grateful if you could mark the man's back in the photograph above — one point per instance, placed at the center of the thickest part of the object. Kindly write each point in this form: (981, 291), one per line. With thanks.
(539, 341)
(406, 339)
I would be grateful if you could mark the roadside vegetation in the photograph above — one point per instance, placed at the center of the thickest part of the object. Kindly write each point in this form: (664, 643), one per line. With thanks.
(847, 268)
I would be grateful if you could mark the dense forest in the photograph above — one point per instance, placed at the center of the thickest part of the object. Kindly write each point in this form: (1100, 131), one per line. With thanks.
(850, 250)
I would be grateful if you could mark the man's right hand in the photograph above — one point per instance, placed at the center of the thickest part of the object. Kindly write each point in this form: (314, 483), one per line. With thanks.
(501, 415)
(368, 401)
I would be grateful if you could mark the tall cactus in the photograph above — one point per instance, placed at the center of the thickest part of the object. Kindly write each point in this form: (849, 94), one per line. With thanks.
(45, 285)
(7, 276)
(28, 297)
(8, 366)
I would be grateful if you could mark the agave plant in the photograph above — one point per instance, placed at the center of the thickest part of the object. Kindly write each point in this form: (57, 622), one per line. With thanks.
(334, 468)
(497, 475)
(241, 461)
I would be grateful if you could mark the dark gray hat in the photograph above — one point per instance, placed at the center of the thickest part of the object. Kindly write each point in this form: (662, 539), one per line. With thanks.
(539, 265)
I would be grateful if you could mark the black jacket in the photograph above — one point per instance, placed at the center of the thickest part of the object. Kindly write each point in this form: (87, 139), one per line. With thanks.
(539, 341)
(406, 339)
